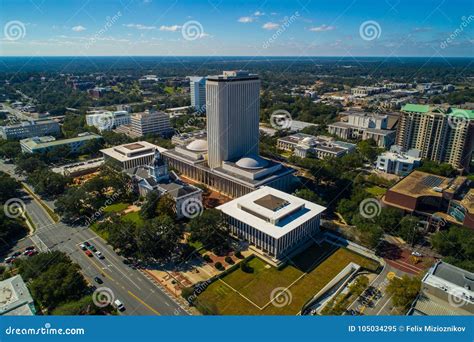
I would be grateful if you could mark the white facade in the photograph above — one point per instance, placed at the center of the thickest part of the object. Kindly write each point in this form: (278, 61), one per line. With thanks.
(273, 222)
(131, 155)
(106, 121)
(197, 87)
(233, 105)
(29, 129)
(397, 162)
(150, 122)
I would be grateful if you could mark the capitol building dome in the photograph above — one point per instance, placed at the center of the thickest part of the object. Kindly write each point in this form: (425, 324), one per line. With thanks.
(198, 145)
(251, 162)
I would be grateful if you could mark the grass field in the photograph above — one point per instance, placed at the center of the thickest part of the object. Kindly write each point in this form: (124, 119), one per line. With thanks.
(116, 208)
(240, 293)
(376, 191)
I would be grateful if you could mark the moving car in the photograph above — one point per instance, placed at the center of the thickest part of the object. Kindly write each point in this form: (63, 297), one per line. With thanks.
(98, 280)
(99, 255)
(119, 305)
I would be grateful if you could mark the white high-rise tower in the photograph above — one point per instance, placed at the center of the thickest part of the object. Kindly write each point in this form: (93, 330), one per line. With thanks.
(233, 104)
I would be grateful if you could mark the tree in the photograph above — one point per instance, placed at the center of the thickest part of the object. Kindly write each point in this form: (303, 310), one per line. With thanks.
(389, 219)
(368, 149)
(309, 195)
(456, 244)
(403, 291)
(8, 187)
(209, 228)
(48, 183)
(148, 209)
(27, 164)
(165, 206)
(10, 149)
(121, 235)
(83, 306)
(409, 230)
(158, 238)
(371, 234)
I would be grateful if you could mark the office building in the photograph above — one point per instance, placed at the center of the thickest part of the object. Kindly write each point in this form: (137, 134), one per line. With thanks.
(147, 123)
(444, 135)
(233, 105)
(398, 162)
(15, 298)
(197, 89)
(446, 290)
(304, 145)
(438, 200)
(364, 126)
(29, 129)
(132, 155)
(106, 121)
(274, 223)
(228, 161)
(48, 143)
(156, 177)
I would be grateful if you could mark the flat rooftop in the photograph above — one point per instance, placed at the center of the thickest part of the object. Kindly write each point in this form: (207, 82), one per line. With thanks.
(420, 183)
(271, 211)
(131, 151)
(49, 141)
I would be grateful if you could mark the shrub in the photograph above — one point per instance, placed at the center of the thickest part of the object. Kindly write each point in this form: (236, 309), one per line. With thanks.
(219, 266)
(244, 266)
(229, 260)
(207, 258)
(239, 255)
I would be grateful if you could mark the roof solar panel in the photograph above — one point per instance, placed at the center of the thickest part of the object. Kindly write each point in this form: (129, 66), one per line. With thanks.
(432, 181)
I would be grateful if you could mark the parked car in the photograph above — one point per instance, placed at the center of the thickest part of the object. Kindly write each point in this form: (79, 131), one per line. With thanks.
(16, 254)
(99, 255)
(9, 259)
(31, 253)
(29, 248)
(89, 253)
(98, 280)
(83, 246)
(87, 243)
(92, 248)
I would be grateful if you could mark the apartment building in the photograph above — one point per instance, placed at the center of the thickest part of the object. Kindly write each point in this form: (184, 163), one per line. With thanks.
(445, 135)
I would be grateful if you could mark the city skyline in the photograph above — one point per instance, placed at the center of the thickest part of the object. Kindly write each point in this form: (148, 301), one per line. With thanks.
(250, 28)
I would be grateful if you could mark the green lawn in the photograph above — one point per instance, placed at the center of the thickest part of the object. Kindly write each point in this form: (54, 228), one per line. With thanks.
(220, 297)
(116, 208)
(376, 190)
(133, 217)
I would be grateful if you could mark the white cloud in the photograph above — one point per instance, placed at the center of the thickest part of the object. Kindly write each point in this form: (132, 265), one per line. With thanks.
(322, 28)
(246, 20)
(140, 26)
(173, 28)
(78, 28)
(258, 14)
(270, 26)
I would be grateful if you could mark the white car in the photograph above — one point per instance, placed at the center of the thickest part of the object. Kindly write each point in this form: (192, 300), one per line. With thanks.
(417, 254)
(83, 247)
(99, 255)
(119, 305)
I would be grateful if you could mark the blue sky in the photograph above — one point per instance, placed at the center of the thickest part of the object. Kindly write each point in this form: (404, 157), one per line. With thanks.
(439, 28)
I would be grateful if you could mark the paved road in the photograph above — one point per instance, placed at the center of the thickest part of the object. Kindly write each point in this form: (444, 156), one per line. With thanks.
(139, 295)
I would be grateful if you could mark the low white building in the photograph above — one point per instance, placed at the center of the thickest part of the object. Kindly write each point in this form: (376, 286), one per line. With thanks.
(15, 299)
(397, 162)
(105, 121)
(131, 155)
(303, 145)
(274, 223)
(446, 290)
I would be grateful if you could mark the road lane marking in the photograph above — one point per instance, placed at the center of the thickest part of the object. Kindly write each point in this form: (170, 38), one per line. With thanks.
(145, 304)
